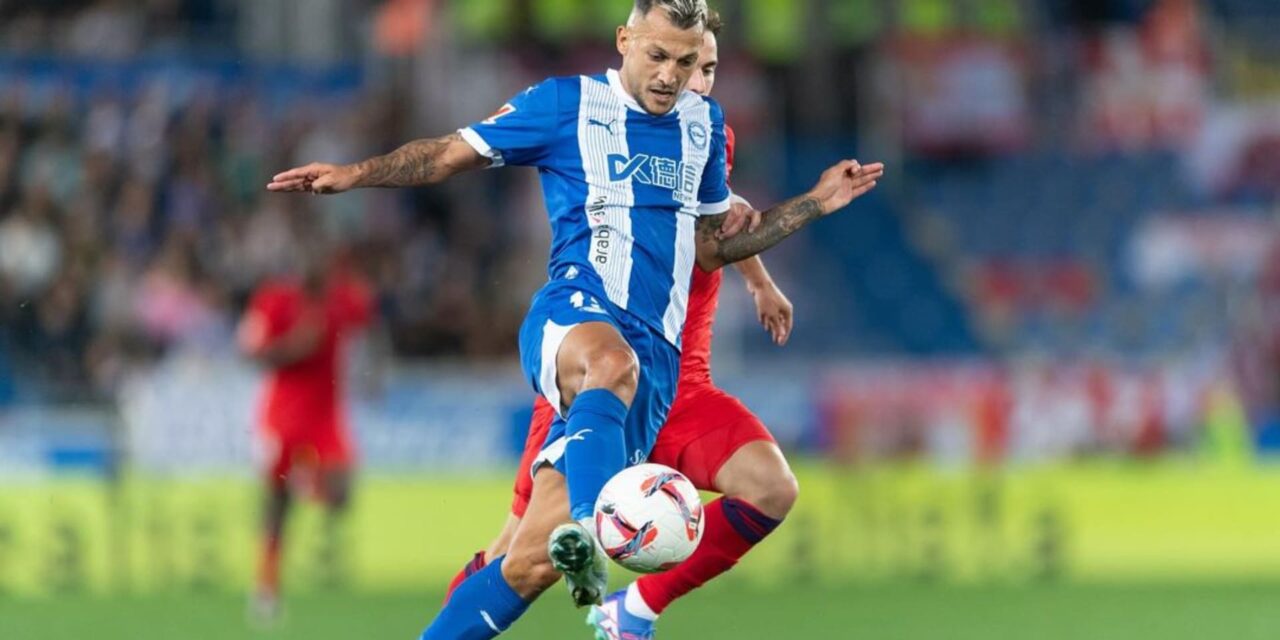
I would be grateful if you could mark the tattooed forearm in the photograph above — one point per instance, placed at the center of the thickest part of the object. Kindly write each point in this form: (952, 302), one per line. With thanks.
(416, 163)
(775, 225)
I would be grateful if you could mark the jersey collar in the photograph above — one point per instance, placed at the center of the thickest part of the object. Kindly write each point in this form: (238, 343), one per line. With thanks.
(615, 83)
(687, 98)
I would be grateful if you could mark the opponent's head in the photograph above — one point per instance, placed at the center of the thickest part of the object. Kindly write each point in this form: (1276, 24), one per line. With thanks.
(659, 47)
(704, 76)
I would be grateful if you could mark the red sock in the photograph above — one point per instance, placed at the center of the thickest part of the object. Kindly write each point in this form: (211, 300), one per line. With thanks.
(477, 563)
(733, 527)
(269, 566)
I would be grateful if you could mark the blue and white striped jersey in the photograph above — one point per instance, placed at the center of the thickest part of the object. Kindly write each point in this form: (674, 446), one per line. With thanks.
(623, 188)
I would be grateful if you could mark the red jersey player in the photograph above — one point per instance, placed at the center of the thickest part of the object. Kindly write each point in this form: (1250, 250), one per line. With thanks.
(298, 327)
(709, 436)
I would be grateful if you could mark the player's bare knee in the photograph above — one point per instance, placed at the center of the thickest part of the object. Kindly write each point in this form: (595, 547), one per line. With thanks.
(616, 369)
(773, 492)
(783, 494)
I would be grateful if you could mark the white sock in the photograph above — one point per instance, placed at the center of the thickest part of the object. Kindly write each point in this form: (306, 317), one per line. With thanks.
(636, 605)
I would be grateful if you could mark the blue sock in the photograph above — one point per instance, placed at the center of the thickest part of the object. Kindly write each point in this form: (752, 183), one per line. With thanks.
(482, 607)
(594, 448)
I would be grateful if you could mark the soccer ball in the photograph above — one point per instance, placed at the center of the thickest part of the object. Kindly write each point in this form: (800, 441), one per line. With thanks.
(649, 518)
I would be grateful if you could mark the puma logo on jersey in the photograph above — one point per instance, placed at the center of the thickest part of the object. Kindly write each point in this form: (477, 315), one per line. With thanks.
(607, 126)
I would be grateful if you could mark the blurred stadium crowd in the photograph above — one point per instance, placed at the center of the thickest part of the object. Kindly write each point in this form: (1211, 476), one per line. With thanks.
(1078, 179)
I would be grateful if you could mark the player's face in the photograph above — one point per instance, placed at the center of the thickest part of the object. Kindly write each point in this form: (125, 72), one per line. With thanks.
(708, 59)
(658, 59)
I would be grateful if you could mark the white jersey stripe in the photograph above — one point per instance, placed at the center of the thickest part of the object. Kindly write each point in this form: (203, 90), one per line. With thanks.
(686, 248)
(602, 131)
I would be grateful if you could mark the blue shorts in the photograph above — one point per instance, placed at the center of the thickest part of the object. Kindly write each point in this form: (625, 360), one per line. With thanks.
(559, 307)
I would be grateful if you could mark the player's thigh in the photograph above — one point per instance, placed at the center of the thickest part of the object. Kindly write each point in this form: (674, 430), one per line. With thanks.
(566, 328)
(706, 427)
(594, 355)
(527, 568)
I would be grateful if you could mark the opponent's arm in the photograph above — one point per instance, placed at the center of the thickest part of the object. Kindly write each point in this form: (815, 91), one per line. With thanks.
(421, 162)
(773, 309)
(296, 344)
(837, 187)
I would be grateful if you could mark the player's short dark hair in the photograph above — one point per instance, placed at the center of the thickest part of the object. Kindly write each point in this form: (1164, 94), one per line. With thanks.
(684, 14)
(714, 22)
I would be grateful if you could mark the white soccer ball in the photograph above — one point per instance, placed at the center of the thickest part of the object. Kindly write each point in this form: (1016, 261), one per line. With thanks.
(649, 518)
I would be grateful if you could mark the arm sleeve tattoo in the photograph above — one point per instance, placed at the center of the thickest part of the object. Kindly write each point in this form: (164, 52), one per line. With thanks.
(775, 225)
(416, 163)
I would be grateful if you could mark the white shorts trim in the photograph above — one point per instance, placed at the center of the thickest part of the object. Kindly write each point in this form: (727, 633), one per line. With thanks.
(549, 455)
(553, 336)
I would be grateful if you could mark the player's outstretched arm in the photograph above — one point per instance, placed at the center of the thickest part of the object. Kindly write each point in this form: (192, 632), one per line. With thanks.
(837, 187)
(296, 344)
(421, 162)
(773, 309)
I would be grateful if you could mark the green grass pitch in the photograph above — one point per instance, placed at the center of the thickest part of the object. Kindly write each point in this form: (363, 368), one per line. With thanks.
(898, 611)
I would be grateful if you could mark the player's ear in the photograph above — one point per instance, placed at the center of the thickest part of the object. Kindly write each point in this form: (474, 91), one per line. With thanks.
(624, 39)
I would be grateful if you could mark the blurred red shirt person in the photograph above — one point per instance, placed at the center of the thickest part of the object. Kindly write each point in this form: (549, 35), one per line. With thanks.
(300, 330)
(299, 327)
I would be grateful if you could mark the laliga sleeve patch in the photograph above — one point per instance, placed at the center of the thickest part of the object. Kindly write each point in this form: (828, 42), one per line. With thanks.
(502, 111)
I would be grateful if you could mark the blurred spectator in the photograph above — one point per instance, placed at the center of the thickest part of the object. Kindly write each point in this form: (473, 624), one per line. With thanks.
(30, 248)
(133, 218)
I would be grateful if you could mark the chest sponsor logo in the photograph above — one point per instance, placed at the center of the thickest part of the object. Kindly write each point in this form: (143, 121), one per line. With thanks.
(657, 171)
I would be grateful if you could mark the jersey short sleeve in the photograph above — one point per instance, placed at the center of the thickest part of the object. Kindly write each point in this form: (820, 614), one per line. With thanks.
(521, 131)
(713, 193)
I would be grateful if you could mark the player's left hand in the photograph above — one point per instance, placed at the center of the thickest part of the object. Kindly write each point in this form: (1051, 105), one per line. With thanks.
(317, 177)
(741, 216)
(774, 311)
(843, 182)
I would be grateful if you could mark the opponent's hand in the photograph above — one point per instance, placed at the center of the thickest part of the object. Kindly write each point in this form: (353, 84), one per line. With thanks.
(741, 216)
(774, 311)
(843, 182)
(316, 177)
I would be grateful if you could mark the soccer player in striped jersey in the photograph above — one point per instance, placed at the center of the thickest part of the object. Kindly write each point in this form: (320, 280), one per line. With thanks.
(709, 436)
(633, 173)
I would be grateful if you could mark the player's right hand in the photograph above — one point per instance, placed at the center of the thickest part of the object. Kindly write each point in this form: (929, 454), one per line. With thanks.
(843, 182)
(774, 311)
(316, 177)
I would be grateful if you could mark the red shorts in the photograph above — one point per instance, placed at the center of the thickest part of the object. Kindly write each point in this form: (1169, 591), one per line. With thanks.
(705, 427)
(314, 451)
